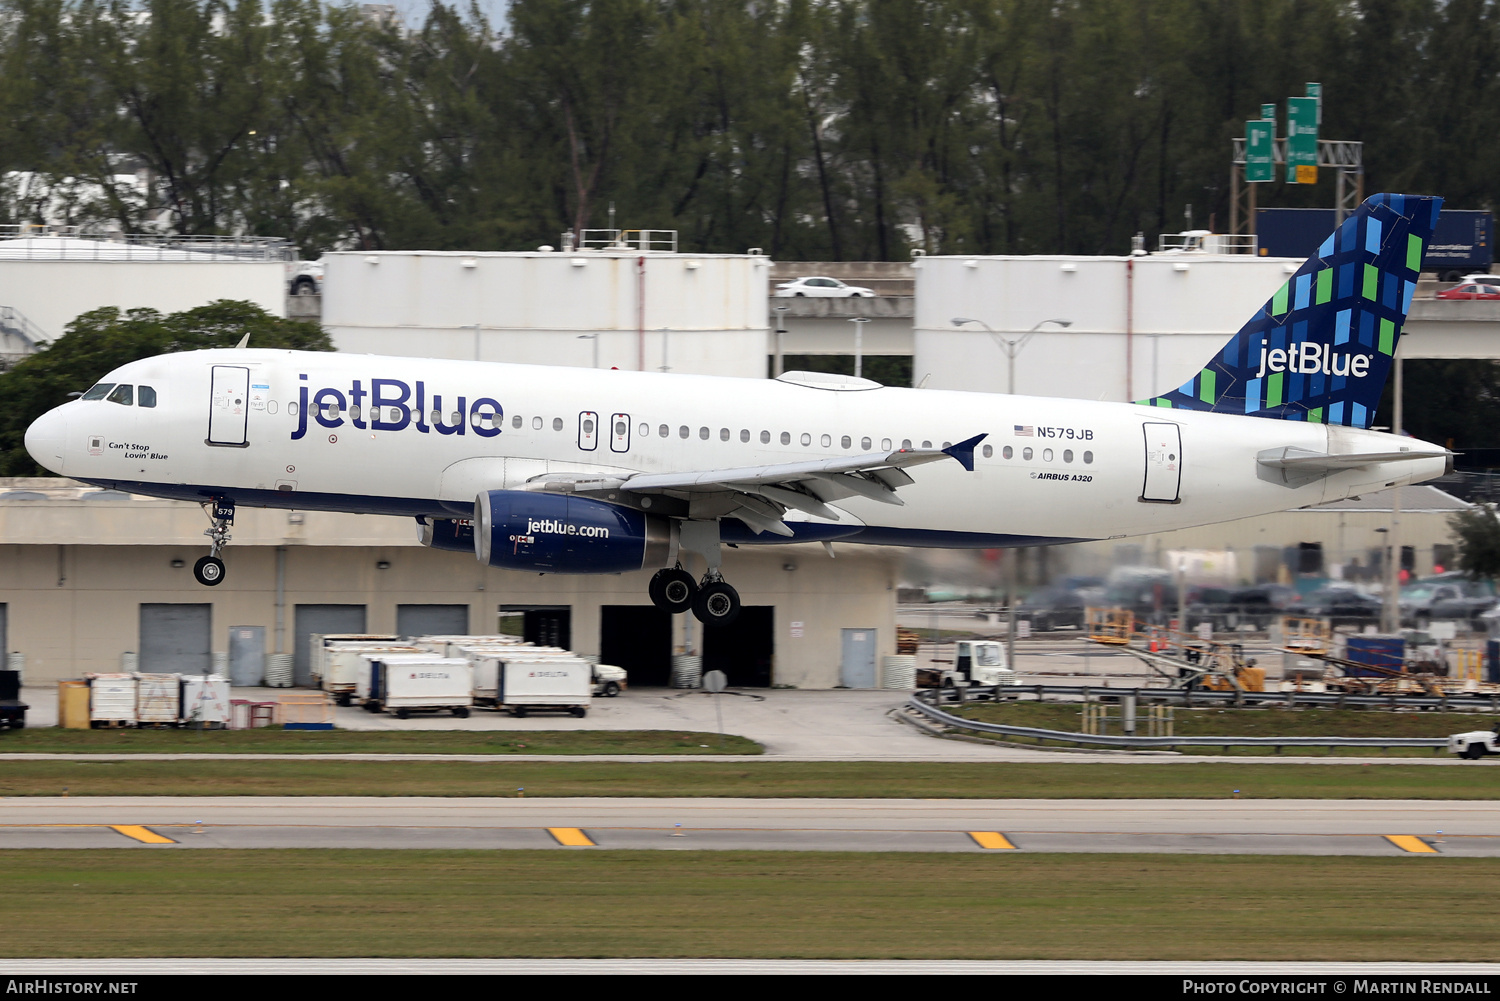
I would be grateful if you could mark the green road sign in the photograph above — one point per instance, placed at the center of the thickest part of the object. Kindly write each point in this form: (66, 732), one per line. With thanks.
(1268, 113)
(1302, 140)
(1260, 150)
(1315, 91)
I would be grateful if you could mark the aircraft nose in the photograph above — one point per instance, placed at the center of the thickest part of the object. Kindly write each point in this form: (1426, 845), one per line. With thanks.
(44, 440)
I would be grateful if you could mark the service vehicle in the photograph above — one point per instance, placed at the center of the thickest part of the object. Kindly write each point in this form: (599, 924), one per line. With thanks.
(305, 277)
(342, 662)
(978, 662)
(318, 645)
(609, 680)
(404, 683)
(1475, 744)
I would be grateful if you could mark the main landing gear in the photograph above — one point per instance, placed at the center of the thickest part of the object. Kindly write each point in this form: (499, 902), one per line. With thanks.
(713, 601)
(209, 570)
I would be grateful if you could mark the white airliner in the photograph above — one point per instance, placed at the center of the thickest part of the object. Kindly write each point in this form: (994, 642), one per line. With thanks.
(566, 470)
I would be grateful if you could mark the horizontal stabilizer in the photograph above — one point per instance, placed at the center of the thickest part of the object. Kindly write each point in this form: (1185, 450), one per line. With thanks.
(1293, 466)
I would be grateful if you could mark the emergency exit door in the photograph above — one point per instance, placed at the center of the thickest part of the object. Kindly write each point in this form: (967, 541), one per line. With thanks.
(229, 405)
(1163, 463)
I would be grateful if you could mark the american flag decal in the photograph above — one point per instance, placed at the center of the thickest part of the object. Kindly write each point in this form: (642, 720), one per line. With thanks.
(1025, 431)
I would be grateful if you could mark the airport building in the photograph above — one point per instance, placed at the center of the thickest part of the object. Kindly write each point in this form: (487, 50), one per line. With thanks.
(89, 576)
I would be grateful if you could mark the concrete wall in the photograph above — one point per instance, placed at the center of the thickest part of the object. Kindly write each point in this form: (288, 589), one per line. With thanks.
(1175, 319)
(703, 314)
(52, 292)
(74, 571)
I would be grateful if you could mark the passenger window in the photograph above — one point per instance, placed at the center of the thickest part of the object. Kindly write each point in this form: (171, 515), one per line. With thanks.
(99, 391)
(1007, 452)
(765, 437)
(744, 435)
(457, 419)
(682, 432)
(620, 428)
(557, 423)
(1046, 455)
(536, 424)
(786, 437)
(645, 431)
(515, 421)
(1088, 458)
(865, 444)
(806, 439)
(1026, 454)
(989, 451)
(354, 412)
(436, 417)
(947, 444)
(1067, 455)
(123, 395)
(703, 434)
(926, 444)
(291, 408)
(588, 427)
(845, 442)
(826, 441)
(723, 434)
(885, 444)
(906, 444)
(666, 432)
(146, 397)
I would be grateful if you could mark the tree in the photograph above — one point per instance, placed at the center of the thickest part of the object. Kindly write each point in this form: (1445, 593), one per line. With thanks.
(1478, 534)
(101, 340)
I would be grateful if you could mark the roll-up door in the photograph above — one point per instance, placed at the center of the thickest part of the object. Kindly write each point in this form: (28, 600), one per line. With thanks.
(432, 620)
(175, 638)
(320, 619)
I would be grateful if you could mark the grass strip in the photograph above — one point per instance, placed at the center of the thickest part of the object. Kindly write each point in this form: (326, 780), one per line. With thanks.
(306, 902)
(836, 779)
(277, 741)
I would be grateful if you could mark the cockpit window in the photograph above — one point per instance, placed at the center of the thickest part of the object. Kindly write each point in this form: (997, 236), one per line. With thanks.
(97, 393)
(123, 395)
(145, 397)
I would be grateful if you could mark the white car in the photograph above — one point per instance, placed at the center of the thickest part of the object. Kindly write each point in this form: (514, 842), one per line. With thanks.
(828, 288)
(1474, 744)
(305, 278)
(608, 680)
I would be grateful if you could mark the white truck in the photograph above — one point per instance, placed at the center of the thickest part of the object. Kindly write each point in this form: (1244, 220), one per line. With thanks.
(978, 662)
(558, 683)
(403, 683)
(609, 680)
(1475, 744)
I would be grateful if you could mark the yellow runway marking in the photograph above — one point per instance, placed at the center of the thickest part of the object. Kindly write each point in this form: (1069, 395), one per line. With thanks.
(992, 839)
(1408, 843)
(570, 836)
(140, 833)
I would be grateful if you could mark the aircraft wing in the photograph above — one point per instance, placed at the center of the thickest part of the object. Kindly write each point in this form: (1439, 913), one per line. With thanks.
(760, 495)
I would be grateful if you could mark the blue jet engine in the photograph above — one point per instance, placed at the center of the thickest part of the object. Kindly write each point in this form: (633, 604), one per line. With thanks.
(558, 533)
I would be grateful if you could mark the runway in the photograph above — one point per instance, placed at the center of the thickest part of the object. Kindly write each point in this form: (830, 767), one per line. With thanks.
(1269, 827)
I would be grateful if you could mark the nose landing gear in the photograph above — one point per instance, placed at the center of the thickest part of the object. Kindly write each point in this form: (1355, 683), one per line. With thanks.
(209, 570)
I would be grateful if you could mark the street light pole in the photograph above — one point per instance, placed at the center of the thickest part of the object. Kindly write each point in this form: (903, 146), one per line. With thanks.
(1010, 345)
(859, 343)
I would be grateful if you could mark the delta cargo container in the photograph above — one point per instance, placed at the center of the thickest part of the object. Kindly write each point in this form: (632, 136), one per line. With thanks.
(561, 683)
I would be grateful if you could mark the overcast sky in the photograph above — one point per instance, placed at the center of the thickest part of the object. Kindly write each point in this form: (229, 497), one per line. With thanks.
(413, 12)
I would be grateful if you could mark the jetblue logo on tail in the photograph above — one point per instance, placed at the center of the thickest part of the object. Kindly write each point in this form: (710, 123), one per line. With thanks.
(1321, 348)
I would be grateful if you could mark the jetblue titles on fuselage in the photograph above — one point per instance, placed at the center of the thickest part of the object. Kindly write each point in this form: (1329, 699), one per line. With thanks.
(393, 406)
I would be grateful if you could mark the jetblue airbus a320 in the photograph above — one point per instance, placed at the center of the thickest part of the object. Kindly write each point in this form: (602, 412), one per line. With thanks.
(566, 470)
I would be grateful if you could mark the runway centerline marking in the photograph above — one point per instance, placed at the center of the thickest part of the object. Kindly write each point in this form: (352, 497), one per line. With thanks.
(1410, 843)
(571, 837)
(141, 834)
(992, 839)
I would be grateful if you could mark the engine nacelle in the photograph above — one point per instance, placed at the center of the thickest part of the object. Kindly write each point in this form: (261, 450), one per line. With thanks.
(454, 535)
(556, 533)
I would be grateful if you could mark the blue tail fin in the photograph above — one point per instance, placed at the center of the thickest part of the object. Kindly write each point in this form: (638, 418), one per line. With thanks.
(1321, 348)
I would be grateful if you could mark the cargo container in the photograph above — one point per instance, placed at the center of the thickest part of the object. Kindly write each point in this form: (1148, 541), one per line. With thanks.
(342, 663)
(318, 644)
(158, 699)
(205, 700)
(562, 683)
(111, 699)
(489, 662)
(403, 683)
(1462, 243)
(12, 709)
(1376, 651)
